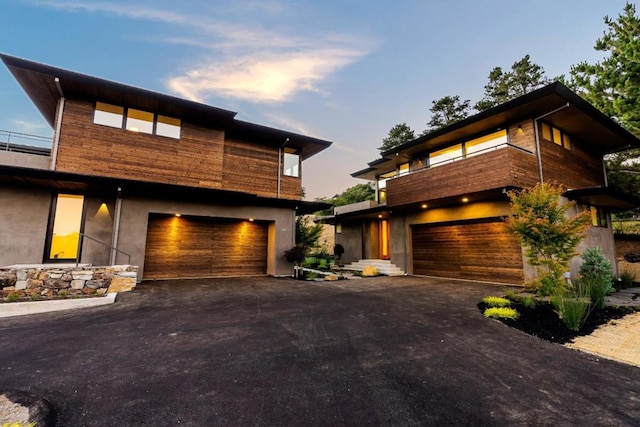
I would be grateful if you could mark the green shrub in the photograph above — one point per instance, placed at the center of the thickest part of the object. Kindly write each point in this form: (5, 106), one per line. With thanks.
(492, 301)
(595, 273)
(528, 302)
(501, 313)
(511, 294)
(13, 297)
(626, 280)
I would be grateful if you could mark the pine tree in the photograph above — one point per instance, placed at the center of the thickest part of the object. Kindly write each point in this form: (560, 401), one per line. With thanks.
(447, 110)
(613, 86)
(398, 135)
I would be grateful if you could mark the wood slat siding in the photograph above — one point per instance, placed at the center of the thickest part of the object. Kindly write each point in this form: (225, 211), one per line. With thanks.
(204, 247)
(494, 169)
(525, 139)
(252, 168)
(475, 251)
(200, 158)
(86, 148)
(574, 168)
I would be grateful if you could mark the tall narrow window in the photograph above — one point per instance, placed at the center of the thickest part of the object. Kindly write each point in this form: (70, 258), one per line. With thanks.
(108, 115)
(291, 164)
(139, 121)
(67, 223)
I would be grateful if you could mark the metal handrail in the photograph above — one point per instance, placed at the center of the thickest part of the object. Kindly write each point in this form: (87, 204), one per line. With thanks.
(82, 236)
(25, 140)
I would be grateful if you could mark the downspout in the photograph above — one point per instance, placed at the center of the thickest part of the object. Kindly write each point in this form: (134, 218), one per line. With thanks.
(56, 136)
(116, 228)
(537, 136)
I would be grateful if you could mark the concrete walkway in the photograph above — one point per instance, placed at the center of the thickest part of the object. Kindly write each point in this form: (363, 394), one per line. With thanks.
(619, 339)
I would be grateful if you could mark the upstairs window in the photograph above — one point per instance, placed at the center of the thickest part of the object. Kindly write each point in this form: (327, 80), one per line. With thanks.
(403, 169)
(139, 121)
(168, 126)
(108, 115)
(555, 135)
(448, 154)
(291, 164)
(136, 120)
(484, 143)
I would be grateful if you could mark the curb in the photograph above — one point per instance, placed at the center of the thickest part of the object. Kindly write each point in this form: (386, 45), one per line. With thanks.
(35, 307)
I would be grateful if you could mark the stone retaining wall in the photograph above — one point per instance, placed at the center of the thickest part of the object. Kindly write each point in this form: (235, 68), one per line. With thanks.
(48, 281)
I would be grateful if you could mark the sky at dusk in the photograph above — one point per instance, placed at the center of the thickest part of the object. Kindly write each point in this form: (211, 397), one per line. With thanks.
(345, 71)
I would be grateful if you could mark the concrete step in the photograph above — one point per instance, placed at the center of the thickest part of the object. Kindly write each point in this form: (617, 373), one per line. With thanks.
(383, 266)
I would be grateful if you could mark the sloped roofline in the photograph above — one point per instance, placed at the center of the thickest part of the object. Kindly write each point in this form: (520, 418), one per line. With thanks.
(45, 84)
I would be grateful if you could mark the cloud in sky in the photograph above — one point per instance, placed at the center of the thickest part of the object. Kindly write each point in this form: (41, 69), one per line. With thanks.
(242, 62)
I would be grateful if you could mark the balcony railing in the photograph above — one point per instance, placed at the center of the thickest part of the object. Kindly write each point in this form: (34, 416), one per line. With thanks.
(24, 142)
(501, 166)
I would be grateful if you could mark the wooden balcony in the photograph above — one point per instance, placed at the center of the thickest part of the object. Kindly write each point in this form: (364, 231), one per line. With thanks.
(505, 166)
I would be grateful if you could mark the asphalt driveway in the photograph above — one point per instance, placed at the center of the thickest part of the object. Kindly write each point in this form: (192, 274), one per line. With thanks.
(264, 351)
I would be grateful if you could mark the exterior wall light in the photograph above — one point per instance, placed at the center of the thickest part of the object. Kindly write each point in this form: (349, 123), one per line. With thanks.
(465, 199)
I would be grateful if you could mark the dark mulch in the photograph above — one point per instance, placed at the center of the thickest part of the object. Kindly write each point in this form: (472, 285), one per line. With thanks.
(543, 322)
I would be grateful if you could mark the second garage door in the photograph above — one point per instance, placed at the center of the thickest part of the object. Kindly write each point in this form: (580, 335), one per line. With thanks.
(471, 250)
(180, 247)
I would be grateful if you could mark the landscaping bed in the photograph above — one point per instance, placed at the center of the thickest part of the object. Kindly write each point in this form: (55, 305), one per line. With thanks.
(543, 322)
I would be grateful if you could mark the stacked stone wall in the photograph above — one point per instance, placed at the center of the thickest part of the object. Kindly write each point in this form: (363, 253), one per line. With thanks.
(38, 282)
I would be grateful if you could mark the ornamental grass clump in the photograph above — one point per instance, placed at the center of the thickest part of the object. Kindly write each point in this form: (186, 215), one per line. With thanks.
(501, 313)
(493, 301)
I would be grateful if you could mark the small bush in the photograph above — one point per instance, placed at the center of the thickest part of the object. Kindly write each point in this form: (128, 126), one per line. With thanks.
(596, 275)
(626, 280)
(13, 297)
(295, 255)
(511, 294)
(528, 302)
(501, 313)
(369, 271)
(492, 301)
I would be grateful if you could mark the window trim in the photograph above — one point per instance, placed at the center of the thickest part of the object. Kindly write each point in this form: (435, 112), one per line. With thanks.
(125, 117)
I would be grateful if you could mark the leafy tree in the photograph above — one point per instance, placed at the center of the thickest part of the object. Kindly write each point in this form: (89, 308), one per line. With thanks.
(549, 235)
(398, 135)
(355, 194)
(447, 110)
(307, 233)
(503, 86)
(613, 86)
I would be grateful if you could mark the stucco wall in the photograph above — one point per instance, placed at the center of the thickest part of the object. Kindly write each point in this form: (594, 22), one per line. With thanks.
(351, 239)
(98, 225)
(135, 216)
(23, 225)
(24, 160)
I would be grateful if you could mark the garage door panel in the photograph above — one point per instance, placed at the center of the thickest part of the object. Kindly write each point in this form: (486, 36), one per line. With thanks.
(204, 247)
(471, 250)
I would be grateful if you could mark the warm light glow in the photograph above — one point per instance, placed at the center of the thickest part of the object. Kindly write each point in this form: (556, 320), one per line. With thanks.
(178, 214)
(424, 206)
(251, 219)
(520, 131)
(379, 216)
(465, 199)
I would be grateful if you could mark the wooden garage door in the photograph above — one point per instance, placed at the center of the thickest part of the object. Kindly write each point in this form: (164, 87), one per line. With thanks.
(476, 250)
(204, 247)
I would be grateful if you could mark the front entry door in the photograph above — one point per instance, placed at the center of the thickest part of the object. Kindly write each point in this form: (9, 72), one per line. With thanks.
(384, 239)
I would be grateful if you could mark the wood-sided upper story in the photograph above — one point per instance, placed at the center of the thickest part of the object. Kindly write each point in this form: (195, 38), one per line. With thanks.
(550, 134)
(113, 130)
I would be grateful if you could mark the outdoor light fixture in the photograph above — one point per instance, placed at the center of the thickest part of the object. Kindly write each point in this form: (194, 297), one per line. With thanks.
(424, 206)
(251, 220)
(520, 131)
(178, 214)
(465, 199)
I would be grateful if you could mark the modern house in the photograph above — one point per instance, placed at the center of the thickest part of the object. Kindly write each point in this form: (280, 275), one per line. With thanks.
(442, 198)
(179, 188)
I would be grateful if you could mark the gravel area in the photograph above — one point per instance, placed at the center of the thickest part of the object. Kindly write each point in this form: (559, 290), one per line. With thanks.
(12, 413)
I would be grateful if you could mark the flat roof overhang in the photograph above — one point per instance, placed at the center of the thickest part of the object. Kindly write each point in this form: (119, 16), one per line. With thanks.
(604, 197)
(111, 187)
(568, 111)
